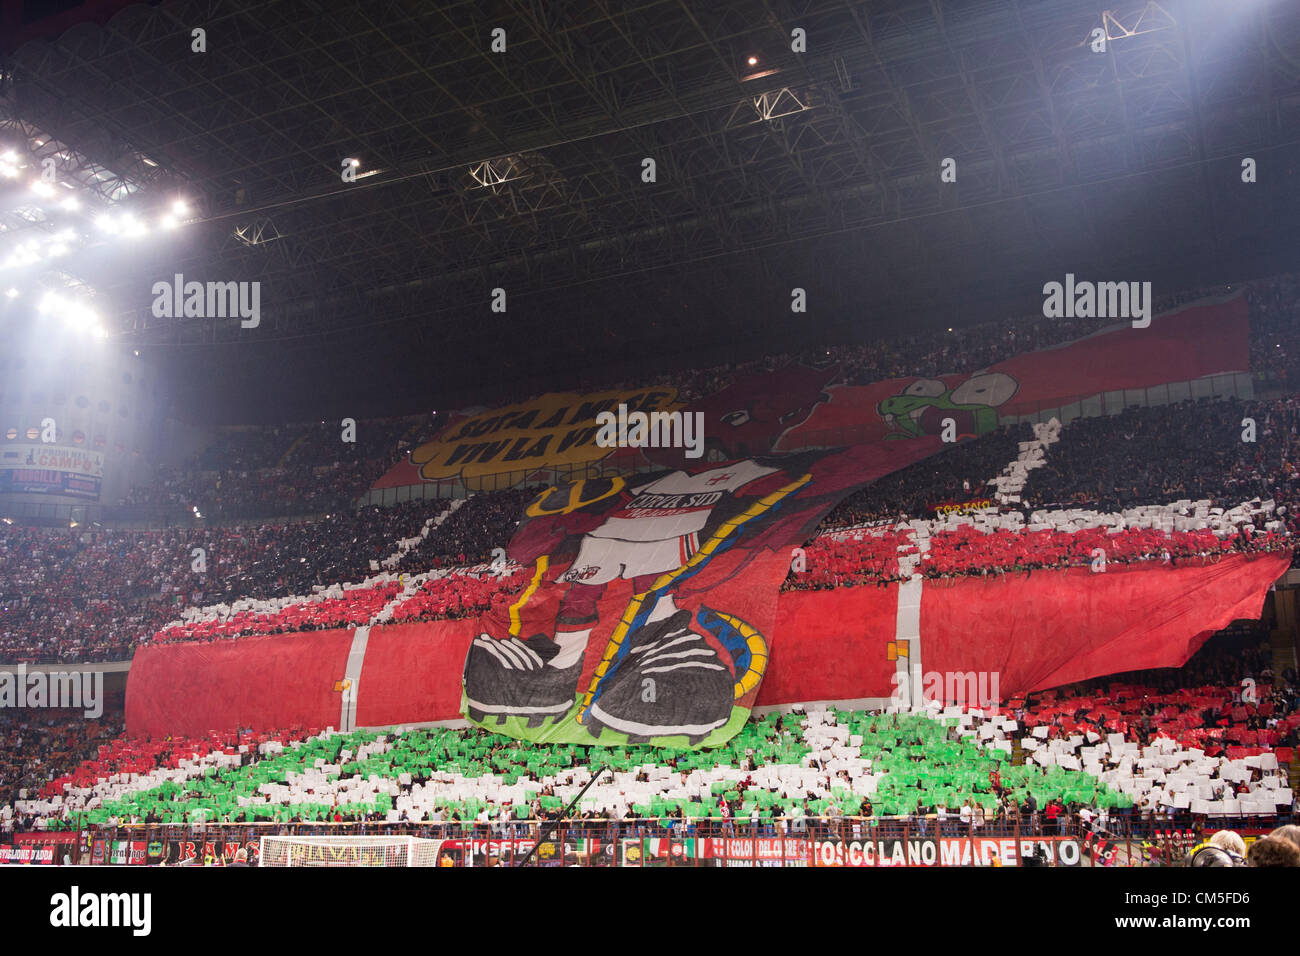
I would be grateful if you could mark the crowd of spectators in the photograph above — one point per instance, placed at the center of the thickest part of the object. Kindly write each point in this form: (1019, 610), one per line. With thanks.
(352, 607)
(958, 473)
(969, 348)
(231, 495)
(471, 533)
(872, 559)
(278, 471)
(1204, 704)
(69, 595)
(36, 747)
(1150, 455)
(1274, 318)
(455, 596)
(1165, 453)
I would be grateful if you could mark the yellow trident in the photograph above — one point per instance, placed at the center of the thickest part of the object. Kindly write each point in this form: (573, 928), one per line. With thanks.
(576, 500)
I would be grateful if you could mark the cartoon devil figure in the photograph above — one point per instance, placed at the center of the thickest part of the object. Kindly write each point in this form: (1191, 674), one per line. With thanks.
(665, 671)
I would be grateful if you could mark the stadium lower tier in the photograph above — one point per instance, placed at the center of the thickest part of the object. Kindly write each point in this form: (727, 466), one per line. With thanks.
(825, 763)
(1032, 632)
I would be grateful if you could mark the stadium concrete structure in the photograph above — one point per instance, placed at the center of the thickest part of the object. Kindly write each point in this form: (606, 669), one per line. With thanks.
(937, 588)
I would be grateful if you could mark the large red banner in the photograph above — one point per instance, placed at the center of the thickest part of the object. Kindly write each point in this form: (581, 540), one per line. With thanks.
(1037, 631)
(1194, 343)
(271, 682)
(1049, 628)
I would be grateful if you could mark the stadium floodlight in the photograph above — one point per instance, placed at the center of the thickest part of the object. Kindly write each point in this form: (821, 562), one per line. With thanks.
(76, 315)
(71, 204)
(752, 61)
(108, 223)
(179, 208)
(168, 221)
(42, 188)
(11, 293)
(132, 227)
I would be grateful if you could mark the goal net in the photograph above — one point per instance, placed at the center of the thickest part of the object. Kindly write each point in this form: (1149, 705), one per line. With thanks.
(348, 851)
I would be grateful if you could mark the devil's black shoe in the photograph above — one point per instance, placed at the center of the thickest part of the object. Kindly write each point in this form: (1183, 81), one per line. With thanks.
(671, 682)
(513, 678)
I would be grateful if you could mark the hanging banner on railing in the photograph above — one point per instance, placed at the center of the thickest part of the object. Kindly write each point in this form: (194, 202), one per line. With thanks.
(50, 469)
(948, 851)
(38, 854)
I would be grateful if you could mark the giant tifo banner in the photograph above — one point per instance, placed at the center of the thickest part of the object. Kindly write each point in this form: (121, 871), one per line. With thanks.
(654, 613)
(50, 469)
(649, 615)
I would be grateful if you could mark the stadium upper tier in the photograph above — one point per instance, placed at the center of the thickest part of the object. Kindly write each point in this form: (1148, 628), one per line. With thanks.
(305, 469)
(72, 596)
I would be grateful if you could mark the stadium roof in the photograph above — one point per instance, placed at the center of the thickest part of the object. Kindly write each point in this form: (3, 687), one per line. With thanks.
(522, 170)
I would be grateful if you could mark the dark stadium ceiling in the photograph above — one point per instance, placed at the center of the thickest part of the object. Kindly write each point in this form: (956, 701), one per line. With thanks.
(522, 170)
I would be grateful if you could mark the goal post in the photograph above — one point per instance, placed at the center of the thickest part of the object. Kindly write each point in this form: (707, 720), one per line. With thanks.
(348, 851)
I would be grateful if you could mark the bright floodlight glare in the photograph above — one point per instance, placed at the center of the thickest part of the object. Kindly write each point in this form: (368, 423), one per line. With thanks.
(11, 293)
(752, 61)
(42, 188)
(132, 227)
(179, 208)
(354, 162)
(71, 204)
(168, 221)
(9, 156)
(106, 222)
